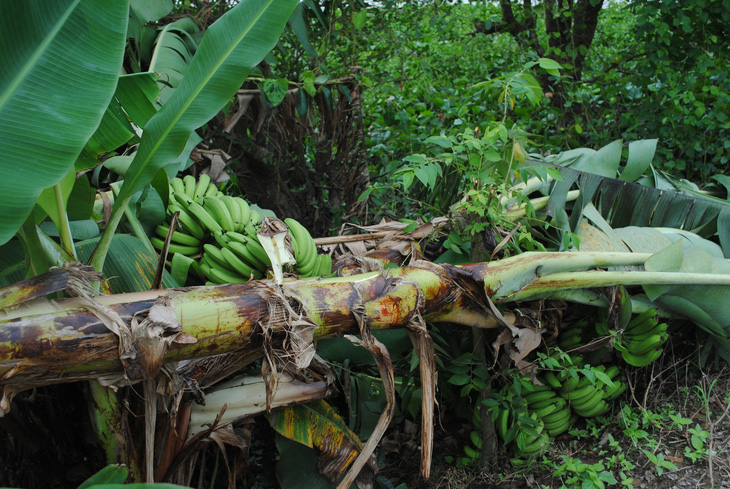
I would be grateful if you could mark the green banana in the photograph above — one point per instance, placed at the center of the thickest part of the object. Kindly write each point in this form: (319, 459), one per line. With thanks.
(221, 238)
(557, 417)
(659, 328)
(201, 187)
(174, 248)
(226, 276)
(214, 256)
(211, 190)
(238, 265)
(557, 428)
(244, 253)
(643, 347)
(570, 384)
(587, 403)
(258, 251)
(206, 271)
(550, 408)
(539, 396)
(577, 394)
(218, 210)
(234, 210)
(641, 361)
(599, 409)
(254, 217)
(177, 236)
(619, 386)
(503, 423)
(552, 380)
(529, 387)
(205, 219)
(325, 265)
(188, 222)
(177, 186)
(638, 321)
(181, 199)
(306, 258)
(245, 213)
(190, 183)
(537, 446)
(612, 372)
(545, 402)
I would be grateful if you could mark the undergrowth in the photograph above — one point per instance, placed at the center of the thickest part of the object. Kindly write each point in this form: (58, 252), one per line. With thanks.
(669, 429)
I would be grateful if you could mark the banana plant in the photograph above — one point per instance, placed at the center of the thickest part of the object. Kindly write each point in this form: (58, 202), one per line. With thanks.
(630, 193)
(89, 338)
(48, 37)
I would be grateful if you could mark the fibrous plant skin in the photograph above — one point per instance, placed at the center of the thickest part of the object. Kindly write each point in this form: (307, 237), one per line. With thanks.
(46, 342)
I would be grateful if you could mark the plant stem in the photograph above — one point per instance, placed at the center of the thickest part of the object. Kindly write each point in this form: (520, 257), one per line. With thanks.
(37, 261)
(138, 230)
(106, 416)
(99, 256)
(537, 204)
(64, 229)
(546, 286)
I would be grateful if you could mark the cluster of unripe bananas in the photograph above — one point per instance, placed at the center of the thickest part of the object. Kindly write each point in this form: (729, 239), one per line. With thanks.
(562, 397)
(555, 405)
(640, 343)
(642, 340)
(217, 237)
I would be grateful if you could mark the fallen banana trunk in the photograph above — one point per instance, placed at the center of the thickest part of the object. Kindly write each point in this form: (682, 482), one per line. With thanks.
(44, 342)
(116, 338)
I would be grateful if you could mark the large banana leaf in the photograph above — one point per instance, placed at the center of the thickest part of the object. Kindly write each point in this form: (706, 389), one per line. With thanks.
(130, 266)
(231, 47)
(174, 50)
(623, 203)
(680, 252)
(58, 71)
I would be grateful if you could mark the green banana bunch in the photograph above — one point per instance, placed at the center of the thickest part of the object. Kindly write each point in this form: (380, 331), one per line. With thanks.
(216, 237)
(527, 442)
(642, 340)
(552, 409)
(309, 263)
(573, 336)
(205, 212)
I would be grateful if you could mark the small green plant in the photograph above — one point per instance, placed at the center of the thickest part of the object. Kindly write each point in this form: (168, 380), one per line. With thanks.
(697, 449)
(574, 473)
(633, 426)
(660, 463)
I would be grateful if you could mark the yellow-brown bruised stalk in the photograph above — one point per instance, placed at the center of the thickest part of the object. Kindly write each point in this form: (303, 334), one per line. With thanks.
(45, 342)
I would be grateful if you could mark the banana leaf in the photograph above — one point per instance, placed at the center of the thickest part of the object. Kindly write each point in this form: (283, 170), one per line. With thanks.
(231, 47)
(48, 111)
(317, 425)
(679, 252)
(623, 203)
(130, 267)
(174, 50)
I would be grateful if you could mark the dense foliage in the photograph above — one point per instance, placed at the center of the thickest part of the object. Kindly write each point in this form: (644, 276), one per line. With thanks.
(406, 111)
